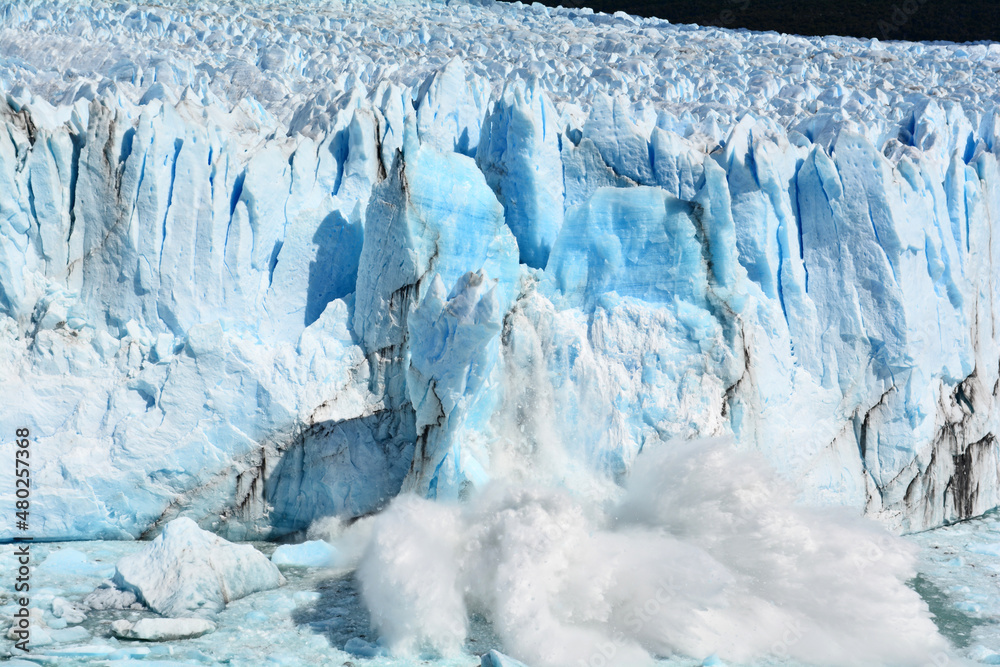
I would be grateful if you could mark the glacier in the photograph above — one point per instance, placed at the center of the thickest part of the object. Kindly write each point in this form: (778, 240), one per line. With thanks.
(264, 264)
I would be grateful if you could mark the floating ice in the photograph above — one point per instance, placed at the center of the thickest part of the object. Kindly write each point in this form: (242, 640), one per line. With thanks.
(68, 611)
(69, 561)
(108, 596)
(314, 553)
(359, 647)
(189, 572)
(497, 659)
(162, 629)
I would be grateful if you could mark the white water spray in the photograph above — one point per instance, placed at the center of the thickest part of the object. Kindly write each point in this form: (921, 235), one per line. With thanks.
(705, 552)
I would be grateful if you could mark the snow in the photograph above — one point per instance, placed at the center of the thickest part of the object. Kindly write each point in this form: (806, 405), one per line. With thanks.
(189, 572)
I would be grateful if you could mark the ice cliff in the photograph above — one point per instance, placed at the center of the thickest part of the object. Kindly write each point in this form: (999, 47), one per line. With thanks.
(262, 263)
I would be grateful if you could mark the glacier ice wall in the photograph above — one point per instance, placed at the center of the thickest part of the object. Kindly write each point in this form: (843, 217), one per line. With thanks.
(264, 263)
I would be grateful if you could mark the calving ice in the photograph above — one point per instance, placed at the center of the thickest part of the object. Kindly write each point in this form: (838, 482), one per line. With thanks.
(576, 304)
(703, 553)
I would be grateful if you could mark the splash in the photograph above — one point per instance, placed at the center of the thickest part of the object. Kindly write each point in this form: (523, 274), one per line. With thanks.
(703, 553)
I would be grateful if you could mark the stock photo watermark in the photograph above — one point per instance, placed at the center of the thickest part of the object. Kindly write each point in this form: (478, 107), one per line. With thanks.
(727, 17)
(635, 619)
(901, 15)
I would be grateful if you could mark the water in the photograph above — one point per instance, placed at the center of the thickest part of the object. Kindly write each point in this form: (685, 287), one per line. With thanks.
(956, 625)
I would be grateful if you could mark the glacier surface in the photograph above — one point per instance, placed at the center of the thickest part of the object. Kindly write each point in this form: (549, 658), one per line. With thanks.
(266, 263)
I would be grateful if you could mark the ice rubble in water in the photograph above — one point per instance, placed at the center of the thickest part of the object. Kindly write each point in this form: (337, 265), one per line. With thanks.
(283, 265)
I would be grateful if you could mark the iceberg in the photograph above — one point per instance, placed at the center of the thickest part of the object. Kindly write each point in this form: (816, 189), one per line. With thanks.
(187, 572)
(314, 553)
(260, 267)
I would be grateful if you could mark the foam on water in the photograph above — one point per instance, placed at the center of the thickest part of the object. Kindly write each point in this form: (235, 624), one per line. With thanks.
(703, 553)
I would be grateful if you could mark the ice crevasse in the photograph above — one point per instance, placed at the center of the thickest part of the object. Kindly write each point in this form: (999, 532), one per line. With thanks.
(260, 266)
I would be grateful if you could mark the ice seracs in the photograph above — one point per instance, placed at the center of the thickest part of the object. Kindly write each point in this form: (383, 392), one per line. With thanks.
(187, 572)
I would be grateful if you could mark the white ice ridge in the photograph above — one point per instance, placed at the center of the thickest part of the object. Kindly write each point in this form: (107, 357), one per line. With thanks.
(263, 263)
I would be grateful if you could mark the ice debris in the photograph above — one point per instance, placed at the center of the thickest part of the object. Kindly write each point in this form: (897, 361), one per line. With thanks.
(162, 629)
(497, 659)
(189, 572)
(70, 612)
(109, 596)
(364, 649)
(315, 553)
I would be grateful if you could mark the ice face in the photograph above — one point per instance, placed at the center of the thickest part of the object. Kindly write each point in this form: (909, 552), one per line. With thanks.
(267, 266)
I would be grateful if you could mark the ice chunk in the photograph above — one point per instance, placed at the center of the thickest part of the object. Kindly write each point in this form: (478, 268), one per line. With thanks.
(68, 611)
(108, 596)
(68, 635)
(315, 553)
(497, 659)
(187, 571)
(86, 651)
(40, 634)
(162, 629)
